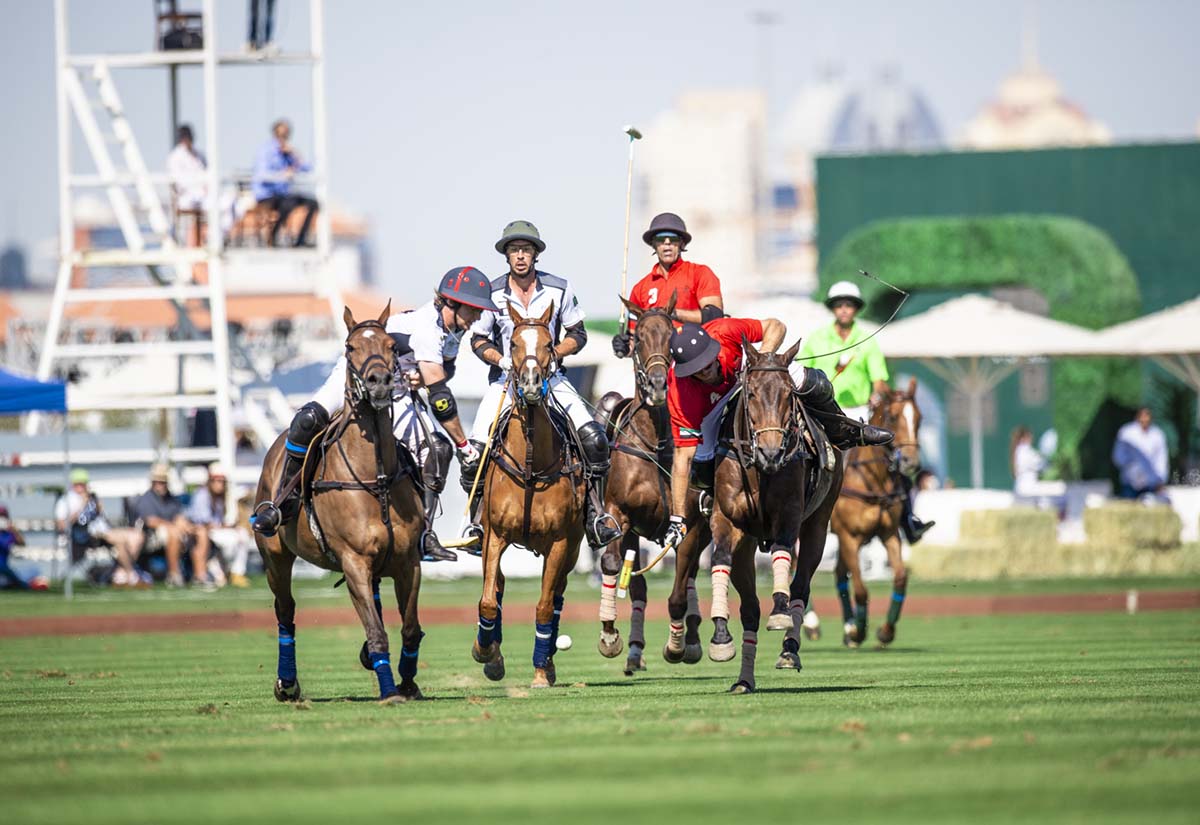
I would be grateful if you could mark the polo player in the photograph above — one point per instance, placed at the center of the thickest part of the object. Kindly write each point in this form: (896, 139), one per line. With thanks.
(427, 341)
(859, 375)
(530, 291)
(696, 289)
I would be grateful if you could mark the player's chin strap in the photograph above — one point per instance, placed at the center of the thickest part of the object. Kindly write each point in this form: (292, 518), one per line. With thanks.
(891, 317)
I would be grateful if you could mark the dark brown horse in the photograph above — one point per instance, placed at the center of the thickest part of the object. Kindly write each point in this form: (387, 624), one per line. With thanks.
(362, 516)
(639, 498)
(777, 479)
(533, 495)
(870, 506)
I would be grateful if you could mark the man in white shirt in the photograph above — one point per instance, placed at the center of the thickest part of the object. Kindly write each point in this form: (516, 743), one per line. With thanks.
(186, 168)
(531, 292)
(1140, 454)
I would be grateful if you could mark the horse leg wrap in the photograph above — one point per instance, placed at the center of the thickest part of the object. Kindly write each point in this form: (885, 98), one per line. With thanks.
(543, 644)
(487, 630)
(749, 649)
(860, 614)
(558, 608)
(499, 634)
(781, 571)
(608, 598)
(637, 625)
(843, 591)
(408, 660)
(896, 606)
(675, 641)
(720, 591)
(287, 653)
(796, 608)
(693, 601)
(382, 665)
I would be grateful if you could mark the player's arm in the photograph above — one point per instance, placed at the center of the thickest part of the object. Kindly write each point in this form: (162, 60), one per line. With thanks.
(441, 400)
(681, 470)
(773, 334)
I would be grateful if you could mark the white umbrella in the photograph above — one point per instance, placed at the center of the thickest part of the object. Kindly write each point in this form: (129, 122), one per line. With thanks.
(1171, 337)
(975, 342)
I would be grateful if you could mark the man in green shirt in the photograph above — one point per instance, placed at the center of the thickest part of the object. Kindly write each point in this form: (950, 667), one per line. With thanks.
(859, 375)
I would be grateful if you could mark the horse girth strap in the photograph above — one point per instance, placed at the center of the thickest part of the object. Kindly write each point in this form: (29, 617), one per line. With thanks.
(881, 499)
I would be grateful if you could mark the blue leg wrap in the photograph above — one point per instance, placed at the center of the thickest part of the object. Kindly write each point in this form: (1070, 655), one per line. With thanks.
(843, 591)
(287, 653)
(378, 601)
(487, 630)
(558, 606)
(860, 614)
(543, 643)
(408, 661)
(383, 671)
(499, 617)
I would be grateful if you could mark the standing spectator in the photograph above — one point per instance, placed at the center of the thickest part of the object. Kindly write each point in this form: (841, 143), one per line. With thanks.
(261, 25)
(162, 515)
(1028, 463)
(11, 537)
(186, 167)
(207, 512)
(81, 518)
(277, 163)
(1140, 454)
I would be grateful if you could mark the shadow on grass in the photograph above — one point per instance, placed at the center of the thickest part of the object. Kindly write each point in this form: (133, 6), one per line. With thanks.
(825, 689)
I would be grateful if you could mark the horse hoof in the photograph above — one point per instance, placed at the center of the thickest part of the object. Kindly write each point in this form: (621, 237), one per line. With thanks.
(673, 657)
(741, 687)
(886, 634)
(788, 661)
(634, 663)
(410, 691)
(721, 652)
(813, 634)
(779, 621)
(494, 670)
(393, 699)
(693, 653)
(610, 647)
(364, 657)
(551, 673)
(484, 655)
(540, 679)
(287, 692)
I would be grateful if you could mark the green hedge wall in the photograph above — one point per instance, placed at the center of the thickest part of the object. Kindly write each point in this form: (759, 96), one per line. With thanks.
(1083, 276)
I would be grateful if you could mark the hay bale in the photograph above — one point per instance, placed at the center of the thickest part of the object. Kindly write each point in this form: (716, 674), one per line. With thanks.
(1014, 529)
(965, 563)
(1133, 526)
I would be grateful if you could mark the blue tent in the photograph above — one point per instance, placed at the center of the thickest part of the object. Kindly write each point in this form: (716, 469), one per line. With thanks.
(19, 394)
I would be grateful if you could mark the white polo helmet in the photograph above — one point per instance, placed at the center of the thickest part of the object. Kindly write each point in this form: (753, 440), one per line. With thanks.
(844, 290)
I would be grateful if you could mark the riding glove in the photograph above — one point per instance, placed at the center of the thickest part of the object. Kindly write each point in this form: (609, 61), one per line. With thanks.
(467, 453)
(505, 363)
(621, 344)
(676, 530)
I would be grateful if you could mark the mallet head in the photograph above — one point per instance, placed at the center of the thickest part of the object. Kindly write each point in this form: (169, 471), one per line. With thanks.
(633, 133)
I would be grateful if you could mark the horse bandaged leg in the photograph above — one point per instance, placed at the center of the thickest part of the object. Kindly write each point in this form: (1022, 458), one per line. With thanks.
(408, 660)
(554, 623)
(543, 644)
(486, 635)
(693, 601)
(781, 569)
(749, 651)
(287, 653)
(499, 632)
(382, 665)
(720, 591)
(843, 591)
(796, 608)
(608, 598)
(637, 625)
(896, 606)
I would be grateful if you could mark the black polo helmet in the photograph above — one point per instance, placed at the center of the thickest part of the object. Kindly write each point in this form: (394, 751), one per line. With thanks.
(667, 222)
(469, 286)
(693, 349)
(520, 231)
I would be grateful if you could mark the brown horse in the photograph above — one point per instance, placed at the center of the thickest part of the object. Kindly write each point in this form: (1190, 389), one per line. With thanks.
(364, 516)
(871, 505)
(639, 499)
(533, 495)
(777, 479)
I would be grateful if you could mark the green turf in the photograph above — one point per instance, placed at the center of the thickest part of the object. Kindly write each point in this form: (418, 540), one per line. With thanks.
(90, 601)
(1065, 718)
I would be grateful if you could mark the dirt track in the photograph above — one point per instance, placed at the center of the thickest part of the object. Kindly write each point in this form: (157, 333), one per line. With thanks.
(580, 611)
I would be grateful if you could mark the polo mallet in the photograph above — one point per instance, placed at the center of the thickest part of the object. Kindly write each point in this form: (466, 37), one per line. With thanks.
(469, 540)
(634, 135)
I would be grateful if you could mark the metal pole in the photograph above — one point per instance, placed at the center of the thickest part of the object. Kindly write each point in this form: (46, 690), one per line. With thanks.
(69, 584)
(320, 135)
(975, 405)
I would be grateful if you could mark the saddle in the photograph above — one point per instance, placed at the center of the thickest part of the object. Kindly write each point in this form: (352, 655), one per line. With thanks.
(621, 414)
(569, 462)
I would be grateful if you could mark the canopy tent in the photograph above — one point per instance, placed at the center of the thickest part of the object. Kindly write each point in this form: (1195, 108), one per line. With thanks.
(21, 394)
(1171, 337)
(975, 342)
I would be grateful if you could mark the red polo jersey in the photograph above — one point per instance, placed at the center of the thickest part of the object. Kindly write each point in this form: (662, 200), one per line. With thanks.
(690, 282)
(690, 399)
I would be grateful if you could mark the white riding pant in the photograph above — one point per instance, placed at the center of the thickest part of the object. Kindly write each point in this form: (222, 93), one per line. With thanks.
(565, 394)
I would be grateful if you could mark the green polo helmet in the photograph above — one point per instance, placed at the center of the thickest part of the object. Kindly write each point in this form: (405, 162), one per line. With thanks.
(520, 231)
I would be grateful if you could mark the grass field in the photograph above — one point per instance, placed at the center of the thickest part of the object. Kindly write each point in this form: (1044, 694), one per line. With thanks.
(1065, 718)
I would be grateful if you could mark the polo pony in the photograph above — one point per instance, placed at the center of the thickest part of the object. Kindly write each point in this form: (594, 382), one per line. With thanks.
(777, 479)
(361, 516)
(533, 495)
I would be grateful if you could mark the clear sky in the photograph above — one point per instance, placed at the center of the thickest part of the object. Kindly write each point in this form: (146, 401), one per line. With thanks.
(447, 120)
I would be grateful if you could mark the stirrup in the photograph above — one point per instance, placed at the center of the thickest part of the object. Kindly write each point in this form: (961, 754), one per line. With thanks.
(432, 549)
(473, 533)
(266, 519)
(603, 530)
(706, 503)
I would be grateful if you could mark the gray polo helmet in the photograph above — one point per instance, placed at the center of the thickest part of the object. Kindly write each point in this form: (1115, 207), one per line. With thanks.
(667, 222)
(520, 231)
(469, 286)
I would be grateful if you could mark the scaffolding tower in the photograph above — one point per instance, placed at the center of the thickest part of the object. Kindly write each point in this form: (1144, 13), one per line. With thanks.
(87, 95)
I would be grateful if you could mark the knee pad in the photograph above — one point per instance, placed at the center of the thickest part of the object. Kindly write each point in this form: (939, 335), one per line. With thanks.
(595, 444)
(437, 463)
(816, 382)
(307, 422)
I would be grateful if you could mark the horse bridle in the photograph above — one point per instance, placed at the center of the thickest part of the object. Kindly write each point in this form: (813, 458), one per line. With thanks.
(791, 439)
(641, 370)
(893, 456)
(356, 389)
(533, 322)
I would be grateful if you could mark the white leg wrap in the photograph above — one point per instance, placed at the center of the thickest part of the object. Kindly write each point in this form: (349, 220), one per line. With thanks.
(608, 598)
(781, 570)
(749, 649)
(676, 636)
(693, 602)
(796, 608)
(720, 591)
(637, 624)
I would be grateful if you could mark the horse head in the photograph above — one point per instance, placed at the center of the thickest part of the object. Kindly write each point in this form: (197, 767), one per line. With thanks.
(767, 393)
(652, 349)
(370, 360)
(899, 413)
(532, 352)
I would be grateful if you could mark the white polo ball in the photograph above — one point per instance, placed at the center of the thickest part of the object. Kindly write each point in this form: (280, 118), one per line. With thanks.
(563, 642)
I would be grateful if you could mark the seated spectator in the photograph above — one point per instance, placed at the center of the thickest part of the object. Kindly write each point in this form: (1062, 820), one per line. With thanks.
(11, 537)
(1027, 464)
(1140, 455)
(161, 515)
(81, 519)
(274, 168)
(186, 166)
(207, 512)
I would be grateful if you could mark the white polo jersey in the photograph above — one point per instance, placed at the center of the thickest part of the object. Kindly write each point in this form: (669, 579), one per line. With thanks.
(548, 290)
(420, 335)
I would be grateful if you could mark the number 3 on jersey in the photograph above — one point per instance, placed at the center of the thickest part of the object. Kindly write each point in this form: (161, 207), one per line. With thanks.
(653, 296)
